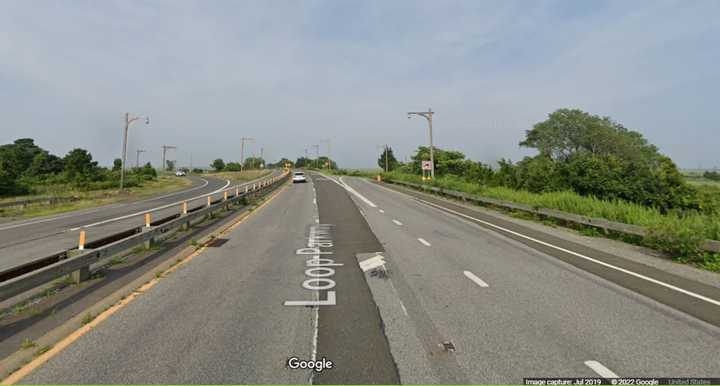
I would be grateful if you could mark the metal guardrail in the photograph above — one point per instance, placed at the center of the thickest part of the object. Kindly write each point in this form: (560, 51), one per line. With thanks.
(40, 200)
(33, 274)
(635, 230)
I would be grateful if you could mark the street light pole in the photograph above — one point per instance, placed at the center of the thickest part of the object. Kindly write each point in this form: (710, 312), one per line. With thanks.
(137, 159)
(165, 149)
(242, 151)
(128, 121)
(327, 141)
(428, 115)
(317, 155)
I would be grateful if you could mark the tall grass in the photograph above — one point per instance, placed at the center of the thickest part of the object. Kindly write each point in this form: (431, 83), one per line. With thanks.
(679, 234)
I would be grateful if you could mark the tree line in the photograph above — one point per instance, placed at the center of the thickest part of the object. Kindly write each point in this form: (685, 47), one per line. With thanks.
(250, 163)
(581, 152)
(25, 166)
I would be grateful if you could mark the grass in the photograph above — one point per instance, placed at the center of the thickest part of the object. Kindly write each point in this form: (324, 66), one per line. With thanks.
(90, 199)
(370, 173)
(27, 343)
(243, 176)
(678, 234)
(87, 318)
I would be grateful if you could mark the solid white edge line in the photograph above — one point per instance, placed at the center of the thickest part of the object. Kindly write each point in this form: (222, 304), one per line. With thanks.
(600, 369)
(68, 215)
(640, 276)
(398, 223)
(475, 279)
(424, 242)
(355, 192)
(227, 182)
(351, 190)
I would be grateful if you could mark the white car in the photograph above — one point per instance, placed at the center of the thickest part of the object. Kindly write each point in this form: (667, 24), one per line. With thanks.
(180, 173)
(299, 177)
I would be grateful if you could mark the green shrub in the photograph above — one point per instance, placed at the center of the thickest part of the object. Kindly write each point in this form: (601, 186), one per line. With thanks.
(678, 233)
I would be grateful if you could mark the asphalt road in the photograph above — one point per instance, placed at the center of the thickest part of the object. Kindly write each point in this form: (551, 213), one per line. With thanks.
(28, 240)
(511, 311)
(421, 296)
(218, 319)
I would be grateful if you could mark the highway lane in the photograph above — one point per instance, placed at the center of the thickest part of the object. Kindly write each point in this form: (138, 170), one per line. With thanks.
(511, 311)
(456, 303)
(24, 241)
(218, 319)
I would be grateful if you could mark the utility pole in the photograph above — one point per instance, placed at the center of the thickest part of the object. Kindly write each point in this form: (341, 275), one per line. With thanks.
(327, 141)
(165, 148)
(262, 159)
(317, 155)
(242, 151)
(386, 158)
(128, 121)
(428, 115)
(137, 158)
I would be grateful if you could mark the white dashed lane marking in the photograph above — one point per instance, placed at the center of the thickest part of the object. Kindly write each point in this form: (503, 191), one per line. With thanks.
(475, 279)
(600, 369)
(424, 242)
(398, 223)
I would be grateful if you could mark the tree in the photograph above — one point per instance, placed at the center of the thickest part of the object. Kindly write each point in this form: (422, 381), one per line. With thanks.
(218, 164)
(44, 164)
(303, 162)
(233, 167)
(599, 157)
(170, 165)
(325, 163)
(282, 163)
(253, 163)
(392, 162)
(117, 164)
(712, 175)
(17, 157)
(79, 166)
(570, 131)
(442, 157)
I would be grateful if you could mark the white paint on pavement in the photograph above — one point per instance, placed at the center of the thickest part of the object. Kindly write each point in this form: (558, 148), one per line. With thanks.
(372, 263)
(398, 223)
(424, 242)
(475, 279)
(631, 273)
(83, 212)
(381, 211)
(227, 182)
(353, 191)
(600, 369)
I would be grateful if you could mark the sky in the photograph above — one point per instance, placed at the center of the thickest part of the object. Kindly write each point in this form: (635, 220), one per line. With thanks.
(292, 74)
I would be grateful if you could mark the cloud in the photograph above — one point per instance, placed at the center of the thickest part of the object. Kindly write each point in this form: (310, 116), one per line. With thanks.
(293, 73)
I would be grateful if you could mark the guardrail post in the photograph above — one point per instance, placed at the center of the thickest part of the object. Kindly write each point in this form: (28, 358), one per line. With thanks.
(148, 218)
(237, 191)
(209, 199)
(81, 241)
(186, 225)
(81, 275)
(225, 196)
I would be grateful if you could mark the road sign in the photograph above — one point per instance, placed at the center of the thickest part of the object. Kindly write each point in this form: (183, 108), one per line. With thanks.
(426, 165)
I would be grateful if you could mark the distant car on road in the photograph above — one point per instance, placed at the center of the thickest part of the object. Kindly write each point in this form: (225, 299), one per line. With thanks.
(299, 177)
(180, 173)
